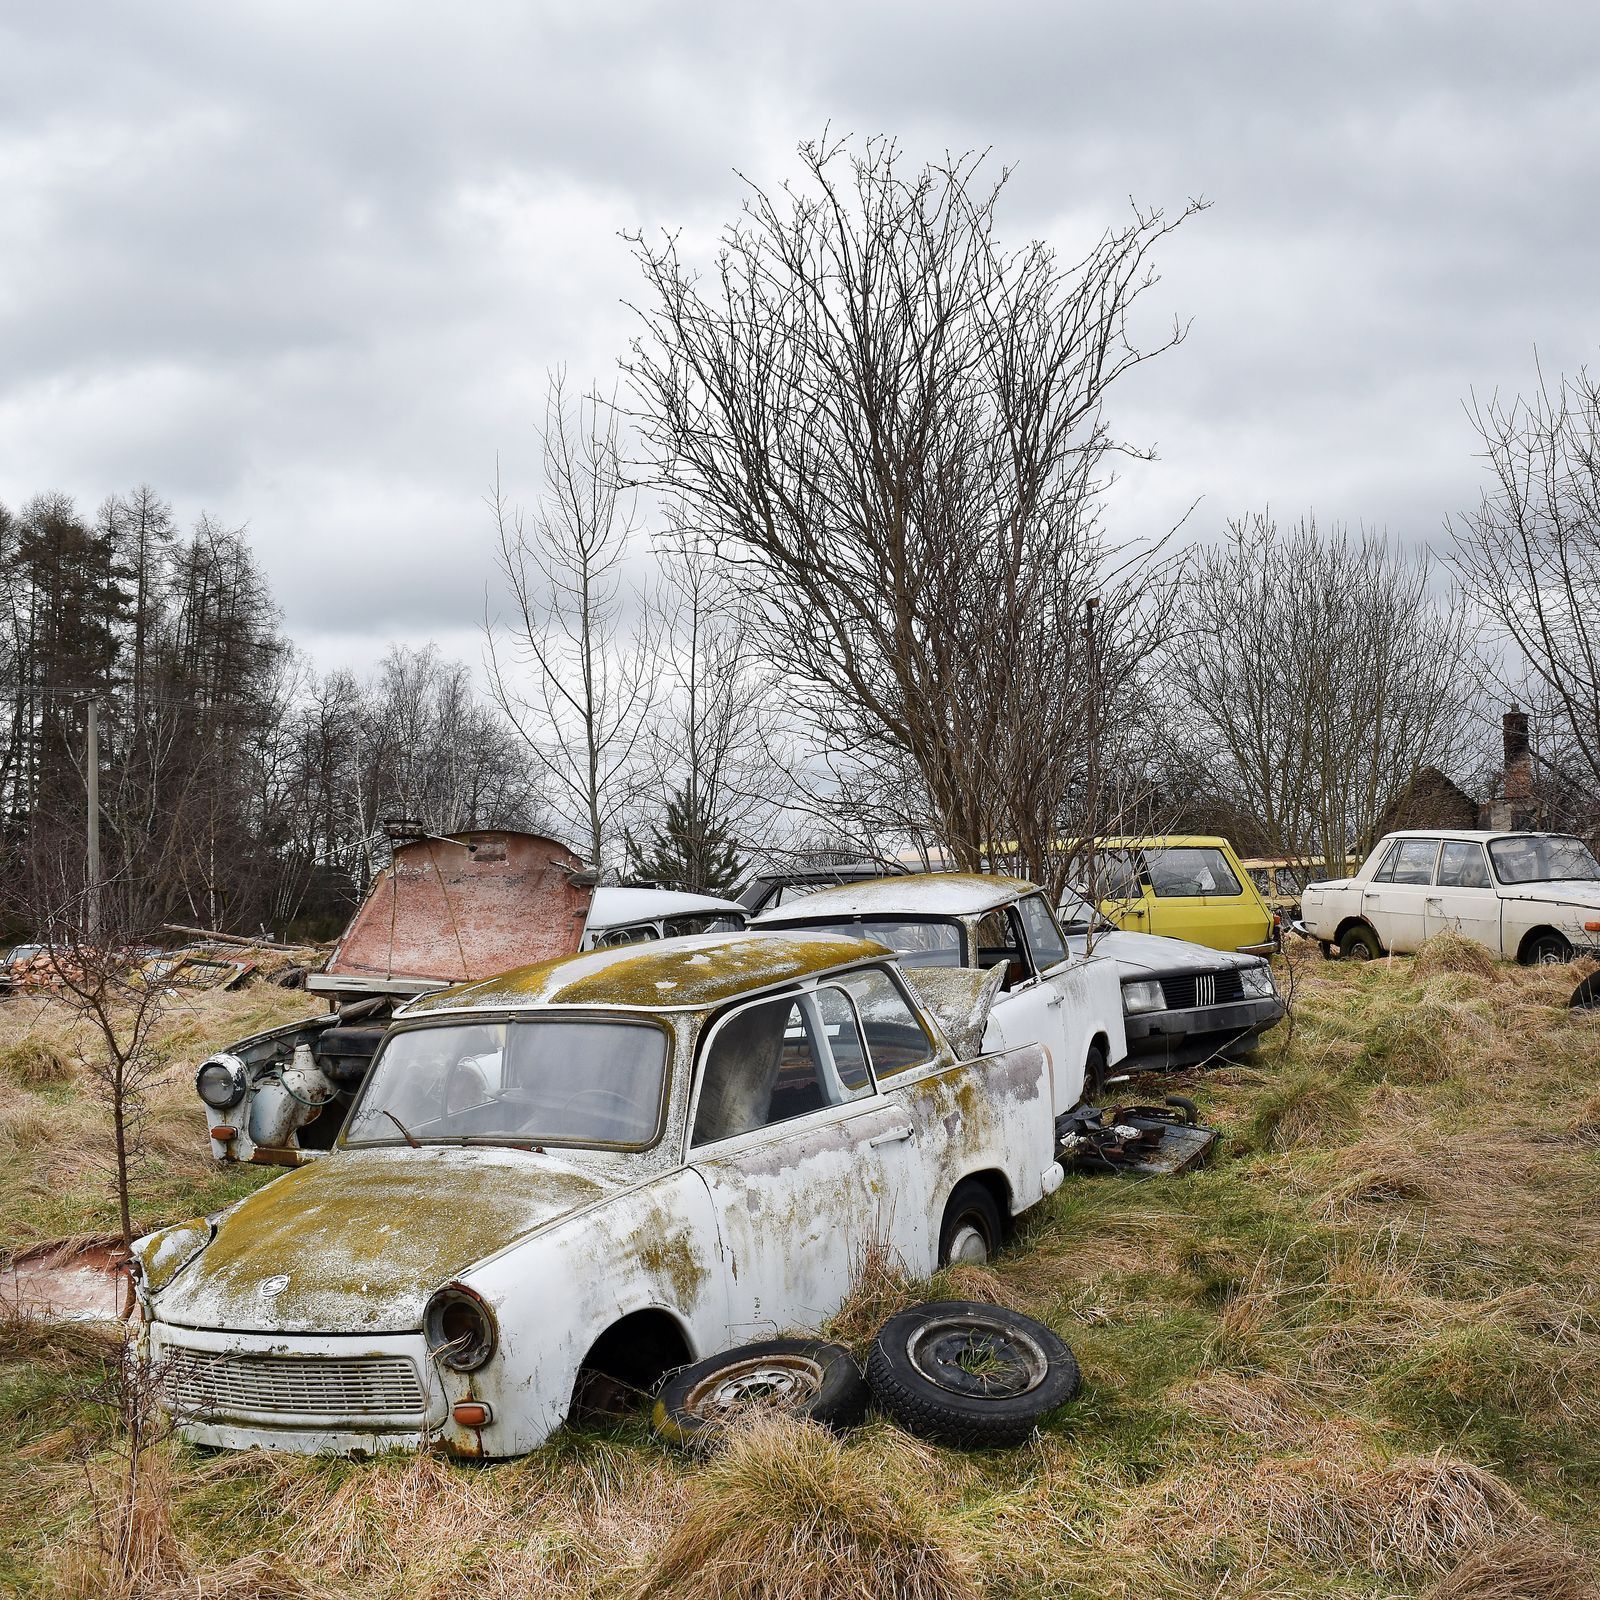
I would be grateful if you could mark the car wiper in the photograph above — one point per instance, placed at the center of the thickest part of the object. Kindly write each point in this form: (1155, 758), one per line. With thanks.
(410, 1138)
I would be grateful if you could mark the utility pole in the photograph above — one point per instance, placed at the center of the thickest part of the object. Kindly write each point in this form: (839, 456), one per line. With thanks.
(92, 761)
(1092, 762)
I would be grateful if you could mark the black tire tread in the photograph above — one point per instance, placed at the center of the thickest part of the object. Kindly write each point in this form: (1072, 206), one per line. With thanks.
(917, 1408)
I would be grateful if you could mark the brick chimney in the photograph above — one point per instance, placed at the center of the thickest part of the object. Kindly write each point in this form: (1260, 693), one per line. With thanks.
(1518, 756)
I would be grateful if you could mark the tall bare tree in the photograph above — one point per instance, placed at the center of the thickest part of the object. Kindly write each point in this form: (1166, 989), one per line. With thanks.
(1529, 557)
(573, 669)
(892, 425)
(1318, 673)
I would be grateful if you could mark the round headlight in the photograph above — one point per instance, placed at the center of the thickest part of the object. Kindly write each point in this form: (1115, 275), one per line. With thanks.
(220, 1082)
(459, 1329)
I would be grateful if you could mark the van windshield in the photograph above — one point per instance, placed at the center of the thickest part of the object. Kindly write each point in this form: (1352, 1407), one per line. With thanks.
(1542, 858)
(575, 1081)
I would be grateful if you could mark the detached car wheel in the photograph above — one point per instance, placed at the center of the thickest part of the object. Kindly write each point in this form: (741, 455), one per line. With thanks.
(799, 1377)
(975, 1376)
(1360, 944)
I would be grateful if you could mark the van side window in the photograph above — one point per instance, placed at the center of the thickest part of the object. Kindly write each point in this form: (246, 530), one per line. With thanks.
(1462, 865)
(1187, 872)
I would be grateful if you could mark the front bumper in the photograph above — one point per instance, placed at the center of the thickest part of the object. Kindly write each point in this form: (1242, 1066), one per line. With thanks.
(1164, 1039)
(323, 1394)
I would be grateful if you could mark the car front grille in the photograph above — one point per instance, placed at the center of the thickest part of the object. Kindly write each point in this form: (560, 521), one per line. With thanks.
(202, 1383)
(1189, 991)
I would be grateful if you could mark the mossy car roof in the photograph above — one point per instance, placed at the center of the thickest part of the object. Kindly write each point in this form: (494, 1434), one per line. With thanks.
(662, 975)
(928, 894)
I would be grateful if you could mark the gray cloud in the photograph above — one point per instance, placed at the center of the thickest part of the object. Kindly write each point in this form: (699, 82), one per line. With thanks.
(307, 266)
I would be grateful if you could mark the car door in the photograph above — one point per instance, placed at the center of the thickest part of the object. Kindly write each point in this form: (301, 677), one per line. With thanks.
(1395, 901)
(1197, 895)
(1464, 899)
(1025, 1011)
(800, 1154)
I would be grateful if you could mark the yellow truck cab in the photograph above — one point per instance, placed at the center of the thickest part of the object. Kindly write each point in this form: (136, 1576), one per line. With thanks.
(1184, 886)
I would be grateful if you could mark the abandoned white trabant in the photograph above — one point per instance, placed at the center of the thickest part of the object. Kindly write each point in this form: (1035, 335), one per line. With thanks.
(950, 922)
(589, 1172)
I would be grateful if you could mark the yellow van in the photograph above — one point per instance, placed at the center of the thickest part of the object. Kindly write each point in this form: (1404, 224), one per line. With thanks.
(1184, 886)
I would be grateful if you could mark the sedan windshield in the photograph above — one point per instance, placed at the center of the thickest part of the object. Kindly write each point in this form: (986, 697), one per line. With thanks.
(918, 943)
(553, 1081)
(1542, 858)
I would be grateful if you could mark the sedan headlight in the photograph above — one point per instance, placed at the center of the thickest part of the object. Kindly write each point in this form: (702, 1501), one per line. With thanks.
(220, 1082)
(1257, 981)
(460, 1329)
(1143, 996)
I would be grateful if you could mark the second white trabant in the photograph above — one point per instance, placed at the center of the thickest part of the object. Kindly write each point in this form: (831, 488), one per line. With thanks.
(1529, 897)
(938, 922)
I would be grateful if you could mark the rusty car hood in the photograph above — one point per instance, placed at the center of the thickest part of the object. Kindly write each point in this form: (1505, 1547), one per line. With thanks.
(357, 1241)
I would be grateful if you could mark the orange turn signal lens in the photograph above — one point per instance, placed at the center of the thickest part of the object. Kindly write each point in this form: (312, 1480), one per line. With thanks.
(471, 1413)
(1591, 927)
(223, 1133)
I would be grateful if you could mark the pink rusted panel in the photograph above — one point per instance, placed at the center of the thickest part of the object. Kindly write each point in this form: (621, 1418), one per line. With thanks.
(443, 912)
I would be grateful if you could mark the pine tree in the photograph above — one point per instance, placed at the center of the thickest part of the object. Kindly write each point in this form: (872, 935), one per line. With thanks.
(692, 851)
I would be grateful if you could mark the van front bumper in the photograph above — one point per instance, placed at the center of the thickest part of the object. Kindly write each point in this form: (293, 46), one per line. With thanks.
(1159, 1040)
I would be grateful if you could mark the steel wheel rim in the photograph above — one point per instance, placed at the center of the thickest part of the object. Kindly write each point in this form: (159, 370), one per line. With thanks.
(763, 1383)
(969, 1245)
(965, 1356)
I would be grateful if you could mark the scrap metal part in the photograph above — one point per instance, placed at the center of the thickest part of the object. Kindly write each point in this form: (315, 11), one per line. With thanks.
(1145, 1141)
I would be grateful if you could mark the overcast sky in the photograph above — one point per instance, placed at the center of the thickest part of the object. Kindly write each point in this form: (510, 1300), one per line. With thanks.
(306, 265)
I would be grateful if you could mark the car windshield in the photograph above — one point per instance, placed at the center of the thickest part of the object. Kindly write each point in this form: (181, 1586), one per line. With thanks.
(568, 1080)
(918, 943)
(1542, 858)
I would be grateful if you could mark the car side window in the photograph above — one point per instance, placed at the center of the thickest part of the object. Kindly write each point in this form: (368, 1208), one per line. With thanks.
(1385, 872)
(763, 1066)
(1000, 944)
(1044, 936)
(1462, 865)
(846, 1047)
(896, 1038)
(1412, 862)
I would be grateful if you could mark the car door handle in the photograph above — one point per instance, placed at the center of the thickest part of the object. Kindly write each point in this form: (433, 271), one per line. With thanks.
(893, 1136)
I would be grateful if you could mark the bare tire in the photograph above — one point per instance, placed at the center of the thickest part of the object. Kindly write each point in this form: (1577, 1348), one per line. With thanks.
(972, 1228)
(1546, 950)
(974, 1376)
(1094, 1075)
(799, 1377)
(1359, 944)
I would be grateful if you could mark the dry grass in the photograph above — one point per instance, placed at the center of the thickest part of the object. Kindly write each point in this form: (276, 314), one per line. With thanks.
(1517, 1569)
(787, 1512)
(1359, 1356)
(33, 1062)
(1452, 952)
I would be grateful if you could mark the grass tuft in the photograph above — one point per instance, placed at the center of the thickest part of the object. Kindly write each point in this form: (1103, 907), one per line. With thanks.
(789, 1512)
(1516, 1569)
(34, 1062)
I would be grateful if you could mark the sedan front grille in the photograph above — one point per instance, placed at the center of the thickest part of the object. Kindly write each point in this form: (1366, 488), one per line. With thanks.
(200, 1383)
(1190, 990)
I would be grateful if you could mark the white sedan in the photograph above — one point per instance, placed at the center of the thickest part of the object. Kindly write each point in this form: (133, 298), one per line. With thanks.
(593, 1170)
(1528, 897)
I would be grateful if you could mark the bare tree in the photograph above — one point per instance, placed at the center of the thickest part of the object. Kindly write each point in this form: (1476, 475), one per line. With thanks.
(1318, 673)
(1529, 557)
(892, 426)
(574, 669)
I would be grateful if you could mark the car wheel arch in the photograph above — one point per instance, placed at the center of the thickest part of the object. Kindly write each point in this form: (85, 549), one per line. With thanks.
(1533, 937)
(1347, 923)
(634, 1351)
(992, 1179)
